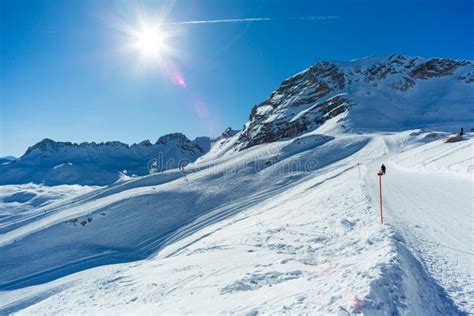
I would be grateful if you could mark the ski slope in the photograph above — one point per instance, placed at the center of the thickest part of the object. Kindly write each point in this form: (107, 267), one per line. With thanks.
(428, 197)
(288, 227)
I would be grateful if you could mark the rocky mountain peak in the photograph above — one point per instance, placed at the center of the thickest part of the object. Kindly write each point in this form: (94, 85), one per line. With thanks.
(228, 132)
(382, 85)
(44, 145)
(173, 137)
(145, 143)
(437, 67)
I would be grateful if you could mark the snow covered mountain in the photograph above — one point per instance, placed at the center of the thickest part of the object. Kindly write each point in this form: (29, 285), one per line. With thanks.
(56, 163)
(280, 218)
(378, 93)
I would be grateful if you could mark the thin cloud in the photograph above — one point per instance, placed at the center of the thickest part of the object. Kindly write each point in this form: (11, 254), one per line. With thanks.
(245, 20)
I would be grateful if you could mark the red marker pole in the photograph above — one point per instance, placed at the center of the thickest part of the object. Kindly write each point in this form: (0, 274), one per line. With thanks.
(380, 189)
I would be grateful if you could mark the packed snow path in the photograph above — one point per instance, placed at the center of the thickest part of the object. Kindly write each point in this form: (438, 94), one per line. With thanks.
(432, 208)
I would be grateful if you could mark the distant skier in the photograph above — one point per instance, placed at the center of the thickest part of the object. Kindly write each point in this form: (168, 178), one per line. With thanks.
(383, 169)
(461, 133)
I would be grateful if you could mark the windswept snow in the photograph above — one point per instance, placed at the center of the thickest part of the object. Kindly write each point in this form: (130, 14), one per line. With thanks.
(19, 202)
(287, 227)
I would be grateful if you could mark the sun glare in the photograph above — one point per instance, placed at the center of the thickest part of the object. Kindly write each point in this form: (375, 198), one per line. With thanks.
(149, 41)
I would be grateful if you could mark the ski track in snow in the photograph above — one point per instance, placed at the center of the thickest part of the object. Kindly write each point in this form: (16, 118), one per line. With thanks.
(296, 242)
(431, 205)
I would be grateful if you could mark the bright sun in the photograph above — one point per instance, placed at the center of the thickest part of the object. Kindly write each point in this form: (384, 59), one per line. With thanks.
(149, 41)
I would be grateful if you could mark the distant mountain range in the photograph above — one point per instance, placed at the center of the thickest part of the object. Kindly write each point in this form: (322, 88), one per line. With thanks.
(397, 92)
(52, 162)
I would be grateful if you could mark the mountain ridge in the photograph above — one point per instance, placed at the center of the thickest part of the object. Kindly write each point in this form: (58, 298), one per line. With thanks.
(308, 99)
(89, 163)
(49, 144)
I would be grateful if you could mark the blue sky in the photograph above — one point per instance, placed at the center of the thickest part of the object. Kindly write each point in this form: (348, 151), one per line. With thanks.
(66, 74)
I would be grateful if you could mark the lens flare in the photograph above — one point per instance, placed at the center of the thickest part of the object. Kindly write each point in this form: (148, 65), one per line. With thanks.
(200, 109)
(180, 81)
(175, 75)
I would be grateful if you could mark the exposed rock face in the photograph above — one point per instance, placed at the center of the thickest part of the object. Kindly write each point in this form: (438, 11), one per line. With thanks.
(404, 84)
(308, 99)
(228, 132)
(454, 139)
(467, 78)
(318, 81)
(311, 118)
(437, 68)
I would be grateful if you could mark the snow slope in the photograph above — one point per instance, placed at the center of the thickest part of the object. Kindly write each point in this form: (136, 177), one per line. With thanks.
(26, 200)
(287, 227)
(112, 232)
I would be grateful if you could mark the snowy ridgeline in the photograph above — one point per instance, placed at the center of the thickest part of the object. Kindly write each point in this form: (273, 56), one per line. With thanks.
(290, 226)
(54, 163)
